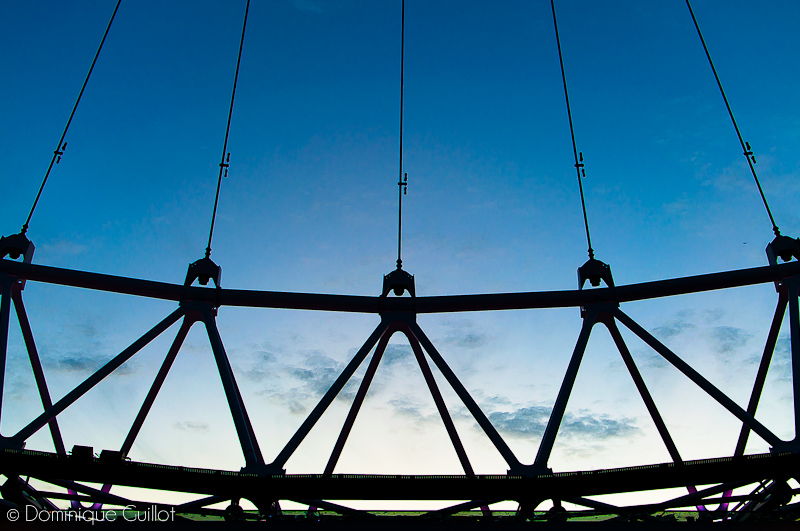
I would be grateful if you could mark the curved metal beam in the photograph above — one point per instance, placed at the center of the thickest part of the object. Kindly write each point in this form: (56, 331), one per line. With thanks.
(370, 304)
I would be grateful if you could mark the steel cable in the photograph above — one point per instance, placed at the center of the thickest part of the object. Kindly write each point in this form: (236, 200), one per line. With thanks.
(578, 161)
(223, 165)
(61, 144)
(747, 151)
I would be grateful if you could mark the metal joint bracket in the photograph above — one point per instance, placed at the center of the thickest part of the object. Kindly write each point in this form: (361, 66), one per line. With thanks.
(594, 271)
(399, 282)
(785, 248)
(601, 312)
(15, 246)
(204, 270)
(194, 311)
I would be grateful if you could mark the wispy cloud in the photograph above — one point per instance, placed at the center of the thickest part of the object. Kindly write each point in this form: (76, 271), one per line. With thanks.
(724, 342)
(650, 358)
(590, 426)
(531, 421)
(397, 354)
(713, 315)
(78, 363)
(522, 422)
(297, 386)
(468, 340)
(672, 328)
(263, 367)
(298, 380)
(20, 391)
(495, 402)
(463, 333)
(318, 372)
(188, 425)
(781, 364)
(413, 409)
(728, 339)
(62, 247)
(87, 352)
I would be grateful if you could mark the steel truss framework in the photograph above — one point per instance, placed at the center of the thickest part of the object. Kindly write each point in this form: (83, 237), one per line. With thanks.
(265, 483)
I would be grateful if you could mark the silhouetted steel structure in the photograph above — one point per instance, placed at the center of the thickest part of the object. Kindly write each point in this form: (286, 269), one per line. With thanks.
(265, 482)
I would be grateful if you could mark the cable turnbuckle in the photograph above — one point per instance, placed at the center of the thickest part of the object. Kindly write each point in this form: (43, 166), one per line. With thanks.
(226, 164)
(749, 153)
(59, 152)
(404, 184)
(579, 164)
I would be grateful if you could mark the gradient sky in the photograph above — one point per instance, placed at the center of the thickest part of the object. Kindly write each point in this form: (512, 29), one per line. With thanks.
(310, 206)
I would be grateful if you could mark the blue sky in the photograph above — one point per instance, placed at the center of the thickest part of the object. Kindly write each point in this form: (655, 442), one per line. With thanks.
(310, 206)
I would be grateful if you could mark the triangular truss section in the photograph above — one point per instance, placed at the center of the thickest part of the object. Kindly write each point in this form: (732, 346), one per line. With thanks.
(189, 312)
(609, 314)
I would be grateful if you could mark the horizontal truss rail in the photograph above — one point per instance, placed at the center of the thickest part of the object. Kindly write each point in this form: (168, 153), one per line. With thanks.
(229, 484)
(369, 304)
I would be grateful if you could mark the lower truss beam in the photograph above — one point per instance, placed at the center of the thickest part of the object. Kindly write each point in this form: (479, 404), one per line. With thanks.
(751, 468)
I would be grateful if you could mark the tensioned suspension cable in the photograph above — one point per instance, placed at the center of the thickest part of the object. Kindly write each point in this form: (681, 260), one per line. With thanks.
(748, 153)
(223, 165)
(402, 186)
(578, 161)
(61, 144)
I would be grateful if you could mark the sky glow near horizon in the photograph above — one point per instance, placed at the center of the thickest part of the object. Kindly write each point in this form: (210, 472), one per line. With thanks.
(310, 206)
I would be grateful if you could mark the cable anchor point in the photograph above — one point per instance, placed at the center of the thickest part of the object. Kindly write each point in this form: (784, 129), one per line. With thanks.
(203, 271)
(783, 247)
(594, 271)
(17, 245)
(398, 281)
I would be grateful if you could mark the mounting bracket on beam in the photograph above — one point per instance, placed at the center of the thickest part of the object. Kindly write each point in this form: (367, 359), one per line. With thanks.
(15, 246)
(398, 281)
(204, 270)
(783, 247)
(594, 271)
